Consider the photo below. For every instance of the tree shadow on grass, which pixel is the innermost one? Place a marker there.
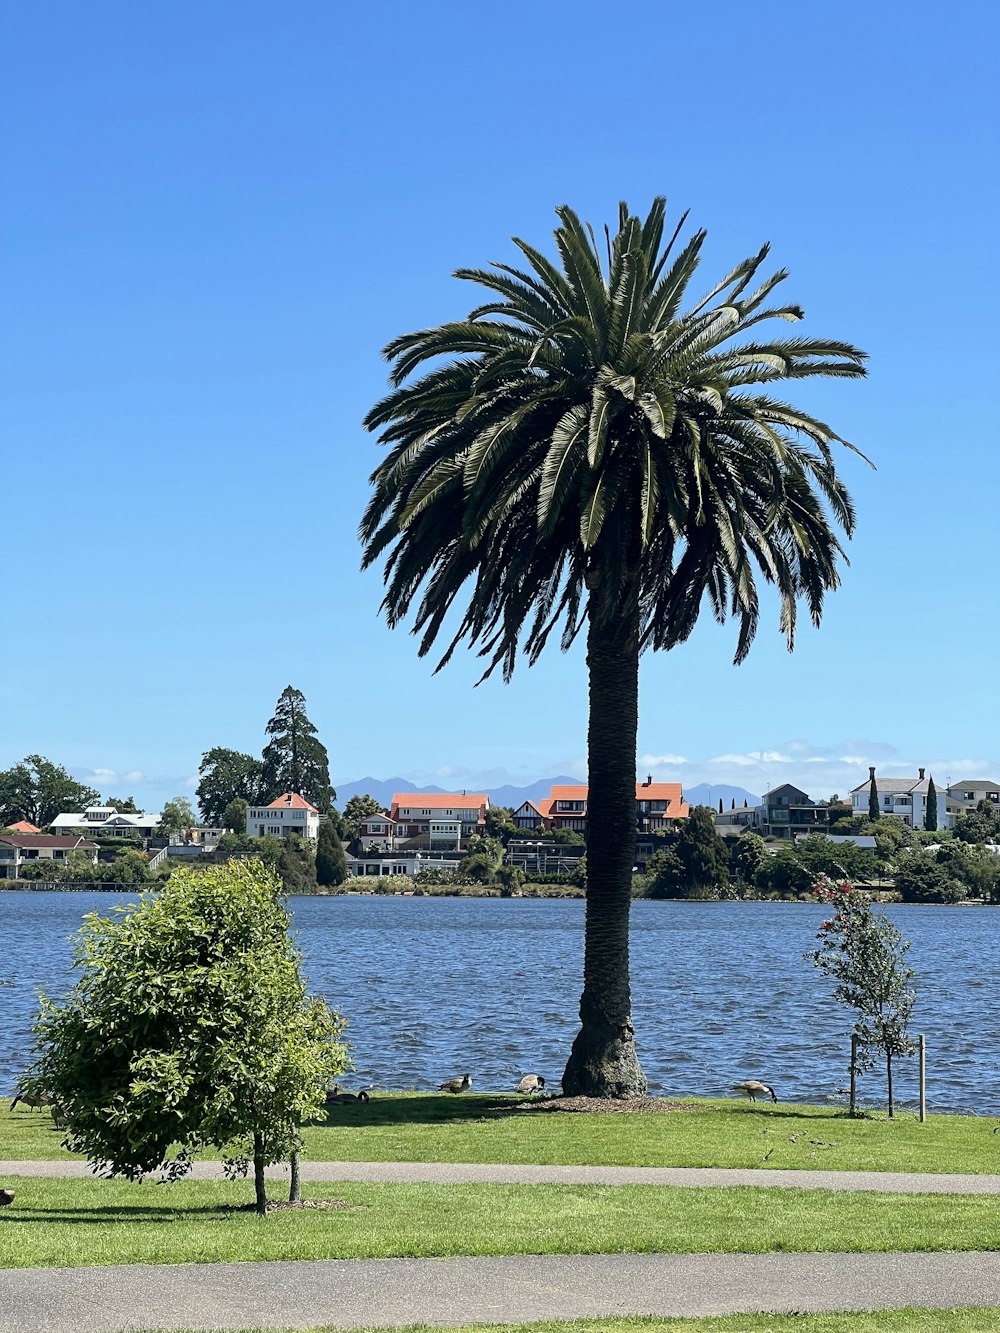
(420, 1109)
(99, 1216)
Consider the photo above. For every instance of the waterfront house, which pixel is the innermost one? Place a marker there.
(18, 848)
(658, 807)
(104, 821)
(439, 821)
(290, 814)
(787, 810)
(962, 798)
(905, 798)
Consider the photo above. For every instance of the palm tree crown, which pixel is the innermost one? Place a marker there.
(582, 443)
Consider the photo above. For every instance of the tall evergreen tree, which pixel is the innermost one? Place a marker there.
(295, 759)
(589, 448)
(930, 816)
(227, 776)
(331, 864)
(873, 811)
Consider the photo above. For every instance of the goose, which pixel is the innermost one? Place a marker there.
(456, 1084)
(338, 1098)
(753, 1088)
(34, 1100)
(6, 1197)
(531, 1083)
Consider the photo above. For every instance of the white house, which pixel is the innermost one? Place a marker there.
(289, 814)
(378, 832)
(906, 798)
(104, 821)
(963, 797)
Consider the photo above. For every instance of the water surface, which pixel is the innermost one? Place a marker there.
(433, 987)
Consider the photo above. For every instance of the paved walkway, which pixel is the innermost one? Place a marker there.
(388, 1292)
(454, 1173)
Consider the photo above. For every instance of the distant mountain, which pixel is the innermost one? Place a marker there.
(382, 790)
(704, 794)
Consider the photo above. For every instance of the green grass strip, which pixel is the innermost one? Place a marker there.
(84, 1222)
(424, 1128)
(882, 1321)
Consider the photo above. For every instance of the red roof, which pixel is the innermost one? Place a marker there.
(30, 840)
(291, 800)
(441, 800)
(22, 826)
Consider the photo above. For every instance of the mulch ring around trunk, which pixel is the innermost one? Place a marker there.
(609, 1105)
(284, 1205)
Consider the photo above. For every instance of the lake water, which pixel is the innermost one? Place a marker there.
(433, 987)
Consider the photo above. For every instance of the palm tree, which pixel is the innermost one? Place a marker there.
(585, 451)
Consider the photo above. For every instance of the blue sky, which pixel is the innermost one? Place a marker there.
(214, 217)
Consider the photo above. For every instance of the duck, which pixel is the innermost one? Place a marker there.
(456, 1084)
(6, 1197)
(531, 1083)
(753, 1088)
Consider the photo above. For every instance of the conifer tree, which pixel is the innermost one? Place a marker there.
(873, 811)
(930, 815)
(295, 759)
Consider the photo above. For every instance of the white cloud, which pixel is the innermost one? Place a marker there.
(661, 760)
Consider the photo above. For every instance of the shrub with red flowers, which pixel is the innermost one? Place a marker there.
(864, 954)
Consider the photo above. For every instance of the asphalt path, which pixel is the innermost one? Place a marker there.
(455, 1173)
(392, 1292)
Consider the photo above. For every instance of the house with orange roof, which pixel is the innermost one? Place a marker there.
(22, 826)
(442, 821)
(289, 814)
(658, 806)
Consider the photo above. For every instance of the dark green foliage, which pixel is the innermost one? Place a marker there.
(295, 759)
(979, 825)
(266, 849)
(783, 874)
(696, 865)
(873, 807)
(331, 864)
(590, 448)
(500, 823)
(189, 1027)
(297, 865)
(37, 790)
(749, 855)
(478, 868)
(864, 954)
(838, 860)
(930, 814)
(921, 878)
(234, 817)
(227, 776)
(357, 809)
(125, 805)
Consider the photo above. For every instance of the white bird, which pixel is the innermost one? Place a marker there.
(753, 1088)
(456, 1084)
(531, 1083)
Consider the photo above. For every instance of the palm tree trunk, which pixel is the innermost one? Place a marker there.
(603, 1061)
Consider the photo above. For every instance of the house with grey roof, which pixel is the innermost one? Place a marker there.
(963, 797)
(904, 798)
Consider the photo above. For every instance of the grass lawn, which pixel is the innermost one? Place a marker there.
(416, 1127)
(82, 1222)
(884, 1321)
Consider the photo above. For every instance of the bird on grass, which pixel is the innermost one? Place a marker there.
(34, 1100)
(531, 1083)
(456, 1084)
(6, 1197)
(753, 1088)
(338, 1098)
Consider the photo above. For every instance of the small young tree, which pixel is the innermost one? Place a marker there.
(189, 1027)
(865, 955)
(930, 815)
